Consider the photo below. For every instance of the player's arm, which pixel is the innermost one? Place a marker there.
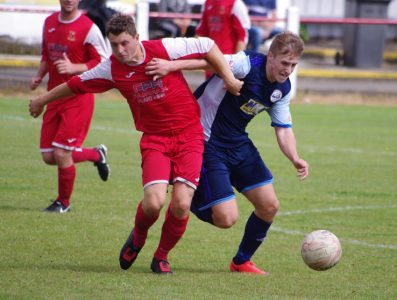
(221, 67)
(38, 78)
(188, 48)
(65, 66)
(287, 143)
(37, 104)
(158, 67)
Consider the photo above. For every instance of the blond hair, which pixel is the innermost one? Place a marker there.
(287, 43)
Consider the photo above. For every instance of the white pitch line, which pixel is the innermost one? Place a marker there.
(352, 242)
(331, 209)
(346, 150)
(309, 149)
(97, 127)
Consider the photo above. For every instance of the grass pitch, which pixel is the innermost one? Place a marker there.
(351, 191)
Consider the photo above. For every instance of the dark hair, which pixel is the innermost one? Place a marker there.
(121, 23)
(285, 43)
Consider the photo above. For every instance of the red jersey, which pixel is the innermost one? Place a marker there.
(80, 39)
(226, 22)
(164, 106)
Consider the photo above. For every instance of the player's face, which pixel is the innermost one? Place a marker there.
(126, 48)
(69, 6)
(280, 67)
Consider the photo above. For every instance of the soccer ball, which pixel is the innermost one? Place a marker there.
(321, 250)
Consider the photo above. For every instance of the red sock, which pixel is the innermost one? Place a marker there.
(66, 178)
(172, 231)
(142, 225)
(86, 154)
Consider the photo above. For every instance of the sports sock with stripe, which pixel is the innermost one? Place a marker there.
(254, 234)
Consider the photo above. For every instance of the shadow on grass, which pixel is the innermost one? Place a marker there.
(15, 208)
(81, 268)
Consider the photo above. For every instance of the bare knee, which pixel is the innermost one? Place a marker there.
(154, 199)
(181, 199)
(268, 211)
(225, 216)
(224, 222)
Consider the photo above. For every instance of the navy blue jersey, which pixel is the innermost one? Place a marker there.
(225, 116)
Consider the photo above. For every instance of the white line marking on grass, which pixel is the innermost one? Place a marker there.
(16, 118)
(331, 209)
(97, 127)
(349, 150)
(352, 242)
(121, 130)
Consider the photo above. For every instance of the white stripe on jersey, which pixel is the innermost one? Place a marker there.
(101, 71)
(94, 37)
(241, 12)
(239, 63)
(209, 103)
(181, 47)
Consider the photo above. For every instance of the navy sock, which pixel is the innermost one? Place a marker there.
(254, 234)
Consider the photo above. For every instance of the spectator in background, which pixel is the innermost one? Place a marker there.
(227, 23)
(179, 26)
(98, 12)
(72, 44)
(261, 31)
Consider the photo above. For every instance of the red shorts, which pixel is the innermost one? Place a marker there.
(66, 125)
(167, 159)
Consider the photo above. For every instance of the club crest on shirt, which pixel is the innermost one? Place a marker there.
(72, 36)
(252, 107)
(276, 95)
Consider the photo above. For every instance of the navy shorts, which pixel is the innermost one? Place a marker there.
(224, 168)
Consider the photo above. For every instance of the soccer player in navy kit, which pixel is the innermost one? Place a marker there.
(230, 157)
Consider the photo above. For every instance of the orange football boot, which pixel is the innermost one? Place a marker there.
(247, 267)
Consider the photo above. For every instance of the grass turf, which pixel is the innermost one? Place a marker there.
(351, 191)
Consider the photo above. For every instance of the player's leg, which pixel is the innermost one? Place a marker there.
(146, 215)
(254, 180)
(53, 155)
(156, 168)
(97, 155)
(186, 159)
(214, 201)
(266, 205)
(174, 226)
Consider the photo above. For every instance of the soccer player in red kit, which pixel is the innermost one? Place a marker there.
(227, 23)
(167, 113)
(72, 44)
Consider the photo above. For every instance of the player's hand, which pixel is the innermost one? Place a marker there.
(35, 82)
(302, 168)
(35, 107)
(234, 86)
(158, 68)
(64, 66)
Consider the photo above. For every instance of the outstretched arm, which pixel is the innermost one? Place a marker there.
(287, 143)
(37, 104)
(213, 56)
